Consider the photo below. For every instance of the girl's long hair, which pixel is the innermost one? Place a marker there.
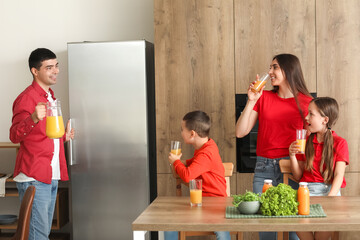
(327, 107)
(291, 68)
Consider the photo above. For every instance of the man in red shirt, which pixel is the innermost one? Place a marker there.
(40, 161)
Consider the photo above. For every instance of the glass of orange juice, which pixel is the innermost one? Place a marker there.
(260, 83)
(176, 147)
(301, 139)
(195, 186)
(54, 120)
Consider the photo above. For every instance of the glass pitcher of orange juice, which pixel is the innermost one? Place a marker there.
(54, 120)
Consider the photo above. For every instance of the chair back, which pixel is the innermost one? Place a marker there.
(229, 167)
(285, 169)
(22, 230)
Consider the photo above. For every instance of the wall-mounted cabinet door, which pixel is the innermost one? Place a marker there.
(266, 28)
(338, 59)
(194, 64)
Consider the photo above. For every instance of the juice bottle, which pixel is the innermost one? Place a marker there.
(303, 199)
(267, 185)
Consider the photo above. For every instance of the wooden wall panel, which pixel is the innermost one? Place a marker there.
(194, 62)
(244, 182)
(338, 58)
(265, 28)
(166, 185)
(352, 184)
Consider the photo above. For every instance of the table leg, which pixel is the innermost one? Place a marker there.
(280, 235)
(139, 235)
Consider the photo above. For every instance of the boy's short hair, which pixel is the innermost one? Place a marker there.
(38, 56)
(198, 121)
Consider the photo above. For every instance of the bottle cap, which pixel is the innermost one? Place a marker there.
(303, 183)
(267, 181)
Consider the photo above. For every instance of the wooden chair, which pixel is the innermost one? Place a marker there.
(286, 171)
(22, 230)
(229, 167)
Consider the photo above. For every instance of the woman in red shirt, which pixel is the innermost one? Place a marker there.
(279, 112)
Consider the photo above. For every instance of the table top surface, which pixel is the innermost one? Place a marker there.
(175, 214)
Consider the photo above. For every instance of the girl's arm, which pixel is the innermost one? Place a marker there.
(297, 167)
(338, 178)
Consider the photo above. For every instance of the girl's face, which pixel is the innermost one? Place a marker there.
(276, 74)
(315, 121)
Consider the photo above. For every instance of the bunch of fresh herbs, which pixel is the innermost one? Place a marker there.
(279, 201)
(247, 197)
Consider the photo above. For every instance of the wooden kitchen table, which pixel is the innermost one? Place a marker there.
(175, 214)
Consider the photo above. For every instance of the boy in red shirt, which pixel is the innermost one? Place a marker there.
(206, 163)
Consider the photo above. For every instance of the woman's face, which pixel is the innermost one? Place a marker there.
(276, 74)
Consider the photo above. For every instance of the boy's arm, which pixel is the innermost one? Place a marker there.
(200, 164)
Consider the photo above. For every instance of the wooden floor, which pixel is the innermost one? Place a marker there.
(53, 236)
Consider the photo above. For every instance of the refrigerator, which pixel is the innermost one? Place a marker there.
(112, 159)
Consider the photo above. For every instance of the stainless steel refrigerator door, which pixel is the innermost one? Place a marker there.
(109, 178)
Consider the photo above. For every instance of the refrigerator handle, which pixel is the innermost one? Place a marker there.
(71, 162)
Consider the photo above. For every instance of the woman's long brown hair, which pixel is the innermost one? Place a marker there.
(291, 68)
(327, 107)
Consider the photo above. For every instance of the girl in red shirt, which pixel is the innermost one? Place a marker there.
(326, 155)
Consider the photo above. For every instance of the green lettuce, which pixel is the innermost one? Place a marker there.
(247, 197)
(279, 201)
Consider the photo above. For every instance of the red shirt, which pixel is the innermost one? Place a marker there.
(206, 165)
(36, 149)
(341, 154)
(278, 120)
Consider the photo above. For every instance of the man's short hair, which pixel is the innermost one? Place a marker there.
(199, 122)
(38, 56)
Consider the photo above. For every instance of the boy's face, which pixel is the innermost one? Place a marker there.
(186, 134)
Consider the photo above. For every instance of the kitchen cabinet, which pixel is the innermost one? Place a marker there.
(61, 214)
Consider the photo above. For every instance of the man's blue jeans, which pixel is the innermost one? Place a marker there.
(43, 207)
(219, 235)
(267, 168)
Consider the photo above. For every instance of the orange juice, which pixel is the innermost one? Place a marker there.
(54, 126)
(258, 85)
(303, 199)
(196, 196)
(302, 143)
(176, 151)
(267, 185)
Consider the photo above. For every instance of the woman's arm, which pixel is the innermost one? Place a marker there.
(297, 167)
(248, 117)
(246, 120)
(338, 178)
